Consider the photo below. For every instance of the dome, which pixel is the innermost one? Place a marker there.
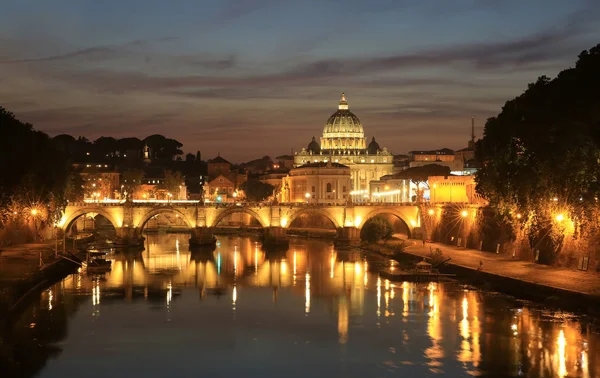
(313, 146)
(373, 147)
(343, 120)
(343, 130)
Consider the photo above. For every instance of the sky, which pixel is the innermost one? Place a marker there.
(248, 78)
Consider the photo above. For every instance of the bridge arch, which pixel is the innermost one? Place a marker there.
(70, 218)
(384, 211)
(238, 209)
(321, 212)
(161, 210)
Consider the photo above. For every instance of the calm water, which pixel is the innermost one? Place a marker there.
(306, 312)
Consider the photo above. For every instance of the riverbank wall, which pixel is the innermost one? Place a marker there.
(16, 293)
(522, 287)
(480, 227)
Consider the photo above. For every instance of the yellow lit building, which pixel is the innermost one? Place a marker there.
(344, 142)
(317, 183)
(455, 189)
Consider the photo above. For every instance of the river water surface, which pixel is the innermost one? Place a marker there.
(310, 311)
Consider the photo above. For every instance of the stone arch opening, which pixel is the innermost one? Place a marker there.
(164, 218)
(311, 220)
(86, 219)
(318, 214)
(238, 217)
(400, 226)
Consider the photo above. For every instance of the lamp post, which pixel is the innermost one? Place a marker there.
(34, 213)
(464, 215)
(307, 195)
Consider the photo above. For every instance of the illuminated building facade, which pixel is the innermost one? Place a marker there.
(455, 189)
(223, 182)
(343, 141)
(317, 183)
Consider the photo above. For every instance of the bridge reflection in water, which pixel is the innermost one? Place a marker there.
(315, 291)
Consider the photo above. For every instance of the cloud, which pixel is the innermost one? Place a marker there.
(91, 52)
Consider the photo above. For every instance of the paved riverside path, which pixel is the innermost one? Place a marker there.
(506, 266)
(20, 261)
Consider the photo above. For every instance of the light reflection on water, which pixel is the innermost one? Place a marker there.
(308, 311)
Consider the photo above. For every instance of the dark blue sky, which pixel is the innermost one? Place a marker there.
(255, 77)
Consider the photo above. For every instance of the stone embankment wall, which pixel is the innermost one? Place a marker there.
(480, 228)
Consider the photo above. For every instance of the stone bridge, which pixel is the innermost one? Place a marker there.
(129, 218)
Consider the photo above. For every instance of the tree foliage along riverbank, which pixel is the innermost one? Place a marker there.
(541, 159)
(377, 229)
(35, 177)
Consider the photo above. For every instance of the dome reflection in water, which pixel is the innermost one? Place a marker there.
(307, 311)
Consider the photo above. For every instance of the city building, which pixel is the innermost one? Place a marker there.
(100, 180)
(155, 185)
(444, 156)
(223, 182)
(390, 188)
(319, 182)
(456, 189)
(274, 178)
(343, 142)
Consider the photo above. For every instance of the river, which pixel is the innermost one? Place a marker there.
(310, 311)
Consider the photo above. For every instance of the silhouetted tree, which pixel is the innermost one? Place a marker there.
(540, 155)
(376, 229)
(163, 148)
(256, 190)
(33, 167)
(132, 179)
(173, 180)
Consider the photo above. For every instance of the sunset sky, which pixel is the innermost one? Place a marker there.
(250, 78)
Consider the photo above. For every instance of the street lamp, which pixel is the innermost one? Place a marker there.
(431, 212)
(34, 213)
(307, 195)
(559, 218)
(464, 213)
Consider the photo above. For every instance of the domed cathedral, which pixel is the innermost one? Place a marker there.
(344, 142)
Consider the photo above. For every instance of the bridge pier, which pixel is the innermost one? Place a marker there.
(202, 237)
(129, 237)
(347, 236)
(275, 237)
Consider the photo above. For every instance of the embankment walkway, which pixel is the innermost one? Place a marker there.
(587, 283)
(21, 261)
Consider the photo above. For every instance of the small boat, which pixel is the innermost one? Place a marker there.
(422, 271)
(97, 262)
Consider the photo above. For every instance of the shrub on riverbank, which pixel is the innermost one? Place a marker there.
(376, 230)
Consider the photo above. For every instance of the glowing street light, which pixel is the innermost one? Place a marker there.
(34, 212)
(430, 212)
(518, 215)
(559, 218)
(464, 213)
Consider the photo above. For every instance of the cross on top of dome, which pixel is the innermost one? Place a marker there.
(343, 103)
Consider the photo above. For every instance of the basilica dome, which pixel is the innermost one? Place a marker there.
(373, 147)
(343, 130)
(313, 146)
